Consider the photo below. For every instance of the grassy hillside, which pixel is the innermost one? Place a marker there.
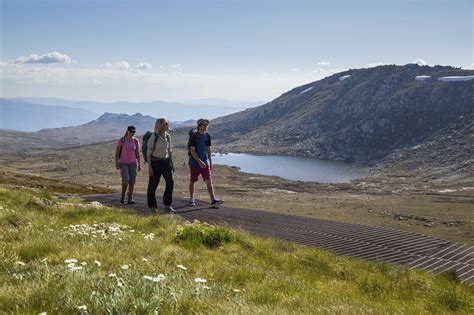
(64, 256)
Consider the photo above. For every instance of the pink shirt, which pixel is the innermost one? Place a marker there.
(128, 155)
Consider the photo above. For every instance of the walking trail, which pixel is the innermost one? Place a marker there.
(370, 243)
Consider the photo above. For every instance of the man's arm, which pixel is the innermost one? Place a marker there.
(209, 155)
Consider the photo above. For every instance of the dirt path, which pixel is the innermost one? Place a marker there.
(375, 244)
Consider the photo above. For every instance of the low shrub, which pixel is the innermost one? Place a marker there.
(197, 233)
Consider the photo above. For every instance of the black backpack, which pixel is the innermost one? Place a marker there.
(146, 137)
(191, 140)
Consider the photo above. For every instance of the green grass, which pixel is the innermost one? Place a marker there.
(244, 274)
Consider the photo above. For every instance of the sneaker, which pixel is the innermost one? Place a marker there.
(170, 209)
(192, 203)
(152, 210)
(130, 201)
(122, 198)
(216, 202)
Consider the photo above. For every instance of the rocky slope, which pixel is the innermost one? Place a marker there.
(358, 115)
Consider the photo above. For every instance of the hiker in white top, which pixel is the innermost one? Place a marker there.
(160, 163)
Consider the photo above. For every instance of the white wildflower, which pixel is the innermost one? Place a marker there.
(82, 307)
(43, 313)
(206, 287)
(124, 267)
(236, 290)
(144, 259)
(132, 231)
(96, 204)
(71, 265)
(84, 263)
(200, 280)
(20, 263)
(44, 260)
(97, 263)
(70, 260)
(112, 275)
(149, 237)
(74, 268)
(159, 278)
(182, 267)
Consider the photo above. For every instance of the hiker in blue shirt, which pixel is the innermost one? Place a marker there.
(199, 145)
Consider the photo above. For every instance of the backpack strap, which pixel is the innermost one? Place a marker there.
(154, 143)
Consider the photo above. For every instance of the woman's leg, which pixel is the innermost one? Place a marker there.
(132, 170)
(168, 176)
(125, 180)
(152, 185)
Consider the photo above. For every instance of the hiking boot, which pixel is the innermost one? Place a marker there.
(122, 198)
(216, 202)
(130, 200)
(170, 209)
(192, 203)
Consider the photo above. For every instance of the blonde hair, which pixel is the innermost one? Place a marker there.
(160, 124)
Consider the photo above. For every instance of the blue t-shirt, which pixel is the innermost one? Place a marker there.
(201, 142)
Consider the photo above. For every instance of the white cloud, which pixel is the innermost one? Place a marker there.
(471, 67)
(119, 65)
(323, 64)
(143, 66)
(99, 84)
(295, 70)
(51, 57)
(419, 62)
(375, 64)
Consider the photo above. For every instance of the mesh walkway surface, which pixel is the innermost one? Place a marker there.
(370, 243)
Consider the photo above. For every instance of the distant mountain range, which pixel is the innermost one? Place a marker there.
(105, 128)
(61, 113)
(23, 116)
(359, 115)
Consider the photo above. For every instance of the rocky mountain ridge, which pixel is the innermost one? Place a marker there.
(360, 115)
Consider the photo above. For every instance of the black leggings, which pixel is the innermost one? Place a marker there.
(160, 167)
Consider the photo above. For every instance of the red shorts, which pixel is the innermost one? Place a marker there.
(204, 172)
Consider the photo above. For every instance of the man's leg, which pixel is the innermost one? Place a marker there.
(210, 189)
(191, 190)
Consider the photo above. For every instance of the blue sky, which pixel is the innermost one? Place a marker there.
(241, 50)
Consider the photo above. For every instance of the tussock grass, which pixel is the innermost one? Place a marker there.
(134, 264)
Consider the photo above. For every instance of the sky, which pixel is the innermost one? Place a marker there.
(103, 50)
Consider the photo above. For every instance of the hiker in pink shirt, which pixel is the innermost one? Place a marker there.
(127, 160)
